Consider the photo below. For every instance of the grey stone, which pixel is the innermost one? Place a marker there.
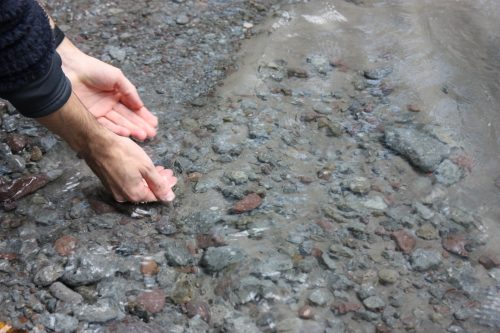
(320, 63)
(240, 324)
(117, 53)
(322, 108)
(165, 227)
(182, 19)
(375, 203)
(177, 254)
(420, 148)
(48, 274)
(196, 325)
(59, 322)
(448, 173)
(289, 325)
(388, 276)
(238, 177)
(328, 262)
(320, 297)
(359, 185)
(423, 259)
(374, 303)
(65, 294)
(428, 232)
(273, 265)
(423, 211)
(86, 267)
(102, 311)
(216, 259)
(366, 291)
(337, 251)
(378, 73)
(252, 289)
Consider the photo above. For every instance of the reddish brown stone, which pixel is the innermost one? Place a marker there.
(345, 307)
(65, 245)
(413, 108)
(205, 241)
(247, 204)
(153, 301)
(383, 328)
(489, 261)
(8, 256)
(193, 308)
(455, 243)
(100, 207)
(194, 176)
(149, 268)
(21, 187)
(16, 142)
(315, 252)
(404, 240)
(326, 225)
(306, 312)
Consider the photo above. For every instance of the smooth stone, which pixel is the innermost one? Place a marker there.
(424, 260)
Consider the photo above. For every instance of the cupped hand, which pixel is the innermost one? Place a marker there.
(107, 94)
(127, 171)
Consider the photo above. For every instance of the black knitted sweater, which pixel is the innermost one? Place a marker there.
(26, 44)
(31, 77)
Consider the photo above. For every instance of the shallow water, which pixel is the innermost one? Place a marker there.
(446, 60)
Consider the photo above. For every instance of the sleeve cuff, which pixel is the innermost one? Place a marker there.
(43, 96)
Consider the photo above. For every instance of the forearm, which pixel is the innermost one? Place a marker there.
(75, 125)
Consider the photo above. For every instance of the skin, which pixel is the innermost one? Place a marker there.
(102, 112)
(122, 166)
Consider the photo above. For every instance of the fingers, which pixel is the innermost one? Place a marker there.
(130, 97)
(119, 120)
(160, 182)
(145, 114)
(136, 119)
(119, 130)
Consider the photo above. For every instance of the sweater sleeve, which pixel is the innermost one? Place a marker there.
(31, 77)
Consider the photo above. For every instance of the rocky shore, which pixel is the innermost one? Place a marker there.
(300, 207)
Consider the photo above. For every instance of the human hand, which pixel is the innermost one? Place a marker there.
(121, 165)
(107, 94)
(127, 171)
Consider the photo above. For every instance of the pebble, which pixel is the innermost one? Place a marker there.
(427, 232)
(165, 226)
(359, 185)
(65, 245)
(420, 148)
(59, 322)
(102, 311)
(297, 72)
(216, 259)
(455, 243)
(375, 203)
(22, 186)
(196, 308)
(377, 73)
(36, 154)
(117, 53)
(238, 177)
(448, 173)
(177, 253)
(320, 297)
(346, 307)
(48, 274)
(65, 294)
(248, 203)
(404, 240)
(388, 276)
(182, 19)
(149, 268)
(374, 303)
(489, 261)
(306, 312)
(424, 260)
(16, 142)
(153, 301)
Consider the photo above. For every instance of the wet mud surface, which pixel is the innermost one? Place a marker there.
(332, 177)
